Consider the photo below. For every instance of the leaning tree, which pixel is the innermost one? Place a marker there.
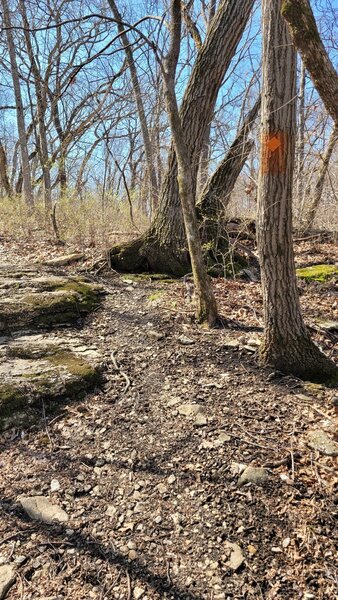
(287, 345)
(164, 247)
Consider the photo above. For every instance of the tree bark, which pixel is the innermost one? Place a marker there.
(26, 172)
(319, 186)
(305, 35)
(206, 303)
(287, 345)
(216, 194)
(164, 247)
(4, 179)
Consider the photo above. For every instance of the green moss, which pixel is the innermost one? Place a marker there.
(317, 272)
(11, 399)
(75, 365)
(156, 296)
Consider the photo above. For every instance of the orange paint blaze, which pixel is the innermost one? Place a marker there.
(274, 148)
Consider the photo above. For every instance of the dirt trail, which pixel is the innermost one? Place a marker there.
(148, 469)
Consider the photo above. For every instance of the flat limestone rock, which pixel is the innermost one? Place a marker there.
(67, 259)
(33, 300)
(40, 508)
(45, 367)
(319, 440)
(7, 578)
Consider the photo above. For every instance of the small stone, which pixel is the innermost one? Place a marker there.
(237, 468)
(286, 542)
(319, 440)
(132, 555)
(40, 508)
(276, 549)
(171, 479)
(200, 420)
(190, 410)
(257, 475)
(185, 341)
(55, 485)
(7, 578)
(162, 488)
(222, 438)
(236, 557)
(139, 507)
(138, 592)
(252, 550)
(158, 519)
(20, 559)
(111, 510)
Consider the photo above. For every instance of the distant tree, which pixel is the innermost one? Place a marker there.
(287, 345)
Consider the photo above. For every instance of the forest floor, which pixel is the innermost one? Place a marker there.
(148, 466)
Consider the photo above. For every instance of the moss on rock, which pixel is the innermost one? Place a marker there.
(319, 273)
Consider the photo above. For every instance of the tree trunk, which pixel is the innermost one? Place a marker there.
(206, 303)
(26, 172)
(164, 247)
(303, 27)
(287, 345)
(319, 186)
(216, 194)
(41, 105)
(140, 107)
(4, 179)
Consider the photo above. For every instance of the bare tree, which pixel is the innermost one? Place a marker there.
(26, 172)
(164, 246)
(305, 35)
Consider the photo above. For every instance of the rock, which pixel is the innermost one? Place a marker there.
(319, 440)
(138, 592)
(237, 468)
(236, 557)
(257, 475)
(55, 485)
(171, 479)
(39, 301)
(231, 343)
(7, 578)
(222, 439)
(40, 508)
(61, 261)
(43, 367)
(200, 420)
(185, 341)
(190, 410)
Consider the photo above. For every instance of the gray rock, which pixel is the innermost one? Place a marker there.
(185, 341)
(200, 420)
(319, 440)
(190, 410)
(257, 475)
(40, 508)
(7, 578)
(236, 557)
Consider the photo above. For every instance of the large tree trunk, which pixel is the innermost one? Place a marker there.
(164, 247)
(299, 15)
(216, 194)
(287, 345)
(26, 172)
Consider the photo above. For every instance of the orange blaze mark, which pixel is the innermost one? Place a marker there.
(274, 153)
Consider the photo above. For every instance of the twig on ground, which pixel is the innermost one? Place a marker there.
(124, 375)
(128, 585)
